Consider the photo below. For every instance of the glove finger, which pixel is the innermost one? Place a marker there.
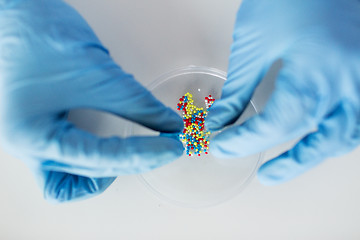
(59, 187)
(287, 115)
(64, 187)
(112, 90)
(335, 136)
(79, 152)
(247, 67)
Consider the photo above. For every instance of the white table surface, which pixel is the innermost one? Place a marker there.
(148, 38)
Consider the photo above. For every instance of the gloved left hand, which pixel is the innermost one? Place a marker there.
(52, 62)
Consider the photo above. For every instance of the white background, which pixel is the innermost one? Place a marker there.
(148, 38)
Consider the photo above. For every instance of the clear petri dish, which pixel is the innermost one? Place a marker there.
(196, 181)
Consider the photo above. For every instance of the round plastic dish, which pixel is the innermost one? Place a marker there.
(196, 181)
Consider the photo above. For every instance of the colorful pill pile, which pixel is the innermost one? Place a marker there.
(194, 136)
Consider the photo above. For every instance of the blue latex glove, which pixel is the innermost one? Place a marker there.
(52, 62)
(318, 87)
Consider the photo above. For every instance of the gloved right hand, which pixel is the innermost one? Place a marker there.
(52, 62)
(318, 87)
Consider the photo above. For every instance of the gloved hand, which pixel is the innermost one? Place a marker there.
(318, 87)
(52, 62)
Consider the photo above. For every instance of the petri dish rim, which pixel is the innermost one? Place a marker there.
(187, 70)
(192, 69)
